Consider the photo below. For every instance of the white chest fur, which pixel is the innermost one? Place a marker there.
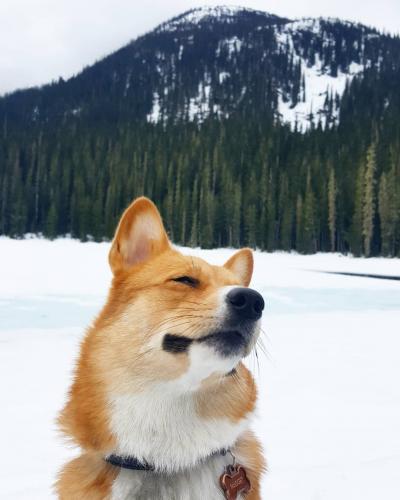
(167, 431)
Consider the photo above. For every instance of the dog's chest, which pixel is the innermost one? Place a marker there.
(169, 433)
(199, 484)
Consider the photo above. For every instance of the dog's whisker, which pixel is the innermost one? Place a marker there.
(182, 321)
(260, 344)
(264, 350)
(172, 325)
(258, 361)
(179, 318)
(197, 303)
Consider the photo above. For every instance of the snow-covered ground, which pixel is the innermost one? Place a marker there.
(329, 386)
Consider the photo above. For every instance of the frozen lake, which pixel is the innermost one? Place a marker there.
(329, 392)
(50, 312)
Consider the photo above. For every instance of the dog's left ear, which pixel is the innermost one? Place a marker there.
(241, 264)
(140, 235)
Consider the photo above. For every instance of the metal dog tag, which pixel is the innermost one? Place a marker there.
(234, 481)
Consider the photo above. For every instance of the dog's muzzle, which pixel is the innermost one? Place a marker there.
(244, 310)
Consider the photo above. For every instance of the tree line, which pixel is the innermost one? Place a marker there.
(225, 183)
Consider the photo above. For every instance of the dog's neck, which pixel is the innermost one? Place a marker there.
(175, 431)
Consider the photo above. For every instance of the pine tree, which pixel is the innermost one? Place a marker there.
(388, 211)
(50, 230)
(309, 221)
(236, 220)
(250, 224)
(369, 202)
(194, 230)
(332, 193)
(355, 235)
(300, 246)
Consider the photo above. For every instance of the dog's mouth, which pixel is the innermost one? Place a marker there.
(226, 342)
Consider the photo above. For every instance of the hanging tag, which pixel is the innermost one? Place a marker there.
(234, 481)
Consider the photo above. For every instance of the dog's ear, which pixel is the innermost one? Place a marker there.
(140, 235)
(241, 265)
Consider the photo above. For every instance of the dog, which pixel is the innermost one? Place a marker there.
(161, 402)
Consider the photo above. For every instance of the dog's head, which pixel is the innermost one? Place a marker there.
(170, 316)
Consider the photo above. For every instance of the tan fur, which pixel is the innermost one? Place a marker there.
(232, 398)
(249, 449)
(141, 301)
(87, 477)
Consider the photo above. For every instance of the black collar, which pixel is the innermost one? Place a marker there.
(128, 463)
(133, 463)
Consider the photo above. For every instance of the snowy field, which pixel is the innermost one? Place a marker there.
(329, 405)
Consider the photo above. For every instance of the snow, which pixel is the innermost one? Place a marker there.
(196, 16)
(355, 68)
(127, 83)
(223, 75)
(231, 45)
(199, 106)
(305, 24)
(319, 84)
(155, 114)
(329, 397)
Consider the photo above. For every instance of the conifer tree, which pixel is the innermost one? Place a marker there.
(50, 230)
(309, 222)
(355, 234)
(237, 215)
(300, 246)
(388, 211)
(332, 193)
(369, 202)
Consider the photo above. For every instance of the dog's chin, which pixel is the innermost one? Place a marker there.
(230, 343)
(213, 354)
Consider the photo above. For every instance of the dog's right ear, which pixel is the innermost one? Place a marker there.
(140, 235)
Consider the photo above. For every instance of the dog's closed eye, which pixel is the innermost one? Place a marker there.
(187, 280)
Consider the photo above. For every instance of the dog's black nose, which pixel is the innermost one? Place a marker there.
(247, 303)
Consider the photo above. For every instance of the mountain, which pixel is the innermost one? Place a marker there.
(215, 61)
(288, 105)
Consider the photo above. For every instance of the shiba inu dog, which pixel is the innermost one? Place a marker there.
(161, 401)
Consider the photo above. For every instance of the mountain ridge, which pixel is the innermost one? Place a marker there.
(303, 96)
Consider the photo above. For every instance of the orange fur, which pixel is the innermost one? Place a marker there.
(115, 357)
(232, 398)
(87, 477)
(249, 449)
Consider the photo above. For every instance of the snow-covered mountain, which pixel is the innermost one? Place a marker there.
(218, 62)
(320, 57)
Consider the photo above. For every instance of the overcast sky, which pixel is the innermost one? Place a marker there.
(42, 40)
